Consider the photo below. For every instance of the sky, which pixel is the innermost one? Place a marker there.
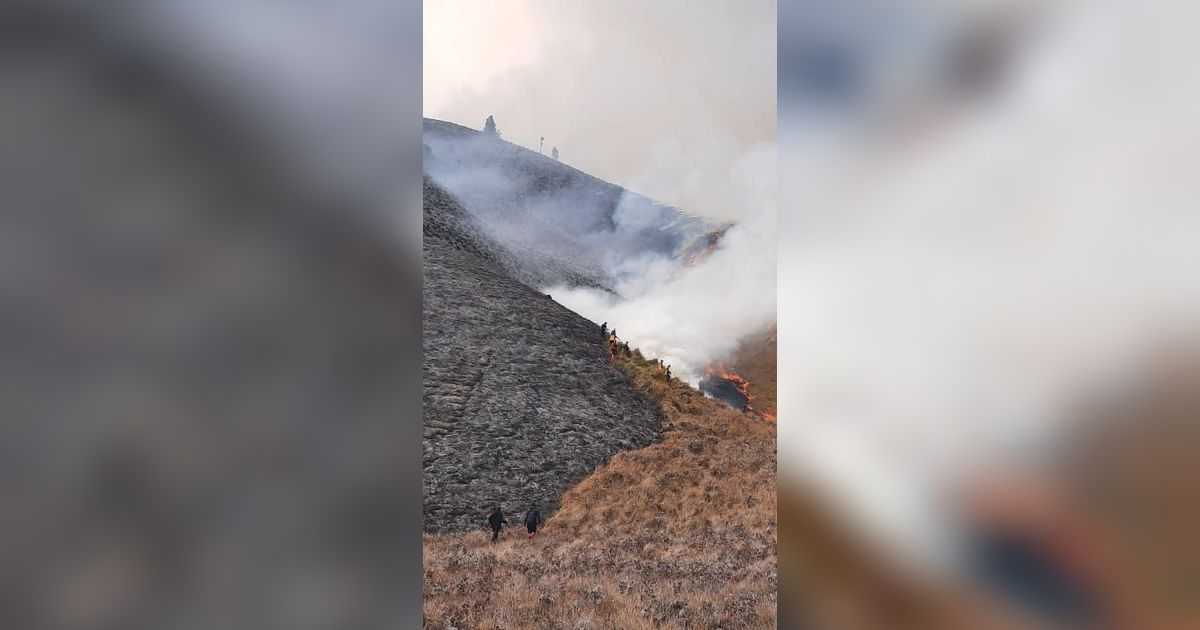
(663, 97)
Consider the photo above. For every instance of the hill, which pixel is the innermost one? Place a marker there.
(660, 501)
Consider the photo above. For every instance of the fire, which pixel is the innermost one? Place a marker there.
(713, 241)
(740, 385)
(739, 382)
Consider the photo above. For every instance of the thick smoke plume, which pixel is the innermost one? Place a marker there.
(672, 100)
(693, 315)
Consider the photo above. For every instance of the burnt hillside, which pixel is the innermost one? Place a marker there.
(563, 226)
(521, 400)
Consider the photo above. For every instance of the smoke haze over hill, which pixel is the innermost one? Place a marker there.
(675, 90)
(677, 105)
(681, 288)
(691, 316)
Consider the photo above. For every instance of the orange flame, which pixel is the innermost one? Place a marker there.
(739, 382)
(741, 385)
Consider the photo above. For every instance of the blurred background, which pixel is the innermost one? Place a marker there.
(209, 315)
(987, 308)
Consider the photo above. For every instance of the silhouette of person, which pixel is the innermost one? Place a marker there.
(533, 518)
(496, 521)
(604, 329)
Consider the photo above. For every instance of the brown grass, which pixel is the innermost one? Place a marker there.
(756, 361)
(681, 534)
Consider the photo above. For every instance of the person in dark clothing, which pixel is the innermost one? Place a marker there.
(496, 521)
(668, 373)
(533, 518)
(604, 330)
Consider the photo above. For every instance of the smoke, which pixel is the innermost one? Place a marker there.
(618, 257)
(674, 101)
(691, 316)
(616, 86)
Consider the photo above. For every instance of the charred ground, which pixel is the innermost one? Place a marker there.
(521, 400)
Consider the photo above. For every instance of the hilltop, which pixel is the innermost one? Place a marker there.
(562, 226)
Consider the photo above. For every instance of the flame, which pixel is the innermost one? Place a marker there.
(713, 241)
(741, 385)
(739, 382)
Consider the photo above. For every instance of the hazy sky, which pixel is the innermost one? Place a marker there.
(665, 95)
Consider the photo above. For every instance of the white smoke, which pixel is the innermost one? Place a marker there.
(672, 99)
(618, 86)
(693, 316)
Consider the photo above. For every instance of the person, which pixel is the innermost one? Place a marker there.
(496, 521)
(668, 374)
(604, 329)
(614, 332)
(533, 518)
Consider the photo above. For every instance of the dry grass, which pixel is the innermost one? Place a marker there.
(756, 361)
(681, 534)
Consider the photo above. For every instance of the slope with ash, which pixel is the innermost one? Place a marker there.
(521, 400)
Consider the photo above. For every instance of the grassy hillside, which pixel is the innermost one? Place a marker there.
(678, 534)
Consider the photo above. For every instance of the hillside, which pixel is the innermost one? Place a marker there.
(561, 225)
(520, 399)
(678, 534)
(660, 501)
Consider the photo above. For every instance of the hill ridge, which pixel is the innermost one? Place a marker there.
(562, 225)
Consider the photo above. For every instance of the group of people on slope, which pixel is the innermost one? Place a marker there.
(533, 519)
(618, 347)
